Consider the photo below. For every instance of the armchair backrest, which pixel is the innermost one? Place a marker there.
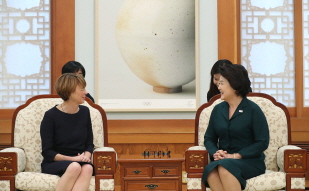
(26, 127)
(277, 117)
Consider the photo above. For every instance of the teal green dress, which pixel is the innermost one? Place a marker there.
(245, 133)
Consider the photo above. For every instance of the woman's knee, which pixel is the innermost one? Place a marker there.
(87, 168)
(213, 174)
(223, 171)
(74, 168)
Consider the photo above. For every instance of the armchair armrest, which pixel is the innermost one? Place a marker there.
(291, 158)
(104, 160)
(12, 161)
(196, 158)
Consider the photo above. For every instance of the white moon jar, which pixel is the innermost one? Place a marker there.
(156, 38)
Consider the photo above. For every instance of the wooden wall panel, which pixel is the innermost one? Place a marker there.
(5, 133)
(300, 130)
(151, 131)
(62, 37)
(229, 30)
(298, 40)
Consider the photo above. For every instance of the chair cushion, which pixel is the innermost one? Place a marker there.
(34, 181)
(269, 181)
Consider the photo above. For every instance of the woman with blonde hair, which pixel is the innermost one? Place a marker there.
(67, 139)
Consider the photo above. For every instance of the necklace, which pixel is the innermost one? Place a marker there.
(62, 108)
(67, 112)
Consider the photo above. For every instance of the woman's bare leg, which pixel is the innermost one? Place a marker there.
(83, 180)
(214, 180)
(68, 179)
(229, 181)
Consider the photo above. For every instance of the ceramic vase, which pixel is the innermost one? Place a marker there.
(156, 39)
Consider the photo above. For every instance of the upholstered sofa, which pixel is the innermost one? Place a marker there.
(285, 163)
(20, 165)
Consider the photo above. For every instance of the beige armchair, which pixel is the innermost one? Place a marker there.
(20, 165)
(285, 163)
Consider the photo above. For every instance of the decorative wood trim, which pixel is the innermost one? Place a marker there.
(196, 160)
(213, 99)
(8, 163)
(99, 108)
(62, 36)
(295, 161)
(104, 162)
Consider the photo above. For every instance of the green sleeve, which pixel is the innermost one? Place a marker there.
(261, 135)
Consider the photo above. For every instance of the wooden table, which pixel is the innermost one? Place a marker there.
(142, 173)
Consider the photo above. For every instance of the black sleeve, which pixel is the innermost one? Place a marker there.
(89, 144)
(47, 137)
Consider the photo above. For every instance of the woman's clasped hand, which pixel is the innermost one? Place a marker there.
(221, 154)
(82, 158)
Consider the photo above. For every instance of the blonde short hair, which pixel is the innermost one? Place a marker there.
(67, 83)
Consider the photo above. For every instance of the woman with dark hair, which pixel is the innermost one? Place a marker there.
(237, 134)
(77, 68)
(214, 78)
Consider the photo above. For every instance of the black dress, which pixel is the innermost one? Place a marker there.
(246, 133)
(66, 134)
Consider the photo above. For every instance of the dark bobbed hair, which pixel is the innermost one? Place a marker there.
(237, 76)
(67, 83)
(213, 89)
(72, 67)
